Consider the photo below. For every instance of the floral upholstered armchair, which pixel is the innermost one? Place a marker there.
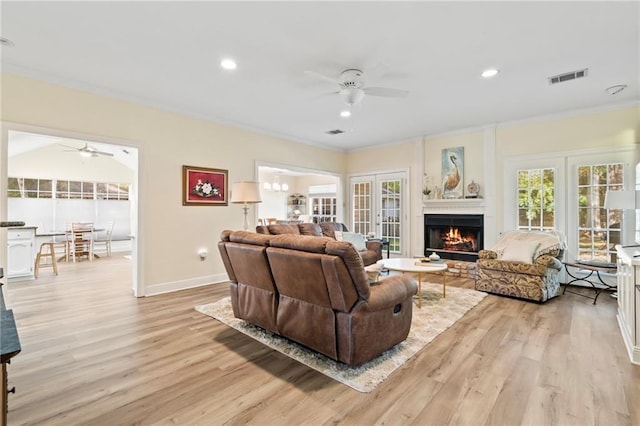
(522, 264)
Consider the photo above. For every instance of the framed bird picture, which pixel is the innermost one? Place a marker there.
(453, 172)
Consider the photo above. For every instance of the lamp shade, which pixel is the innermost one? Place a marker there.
(623, 200)
(245, 192)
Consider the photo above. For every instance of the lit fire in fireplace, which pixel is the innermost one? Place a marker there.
(453, 240)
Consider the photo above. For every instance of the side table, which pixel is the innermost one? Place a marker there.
(596, 281)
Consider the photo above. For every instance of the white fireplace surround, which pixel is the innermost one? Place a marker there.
(463, 206)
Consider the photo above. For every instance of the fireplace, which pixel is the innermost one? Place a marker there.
(454, 236)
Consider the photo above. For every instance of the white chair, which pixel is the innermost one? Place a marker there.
(104, 241)
(80, 240)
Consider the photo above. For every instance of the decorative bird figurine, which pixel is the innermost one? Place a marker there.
(452, 179)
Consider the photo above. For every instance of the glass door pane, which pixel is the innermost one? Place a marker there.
(390, 212)
(362, 205)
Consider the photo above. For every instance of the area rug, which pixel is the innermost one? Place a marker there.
(437, 314)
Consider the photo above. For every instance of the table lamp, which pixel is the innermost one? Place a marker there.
(245, 193)
(623, 200)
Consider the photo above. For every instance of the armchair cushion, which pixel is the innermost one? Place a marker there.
(520, 251)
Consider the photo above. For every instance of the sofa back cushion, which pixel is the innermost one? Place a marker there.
(310, 229)
(254, 293)
(328, 228)
(335, 276)
(282, 228)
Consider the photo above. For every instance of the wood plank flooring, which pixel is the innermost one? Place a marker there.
(93, 354)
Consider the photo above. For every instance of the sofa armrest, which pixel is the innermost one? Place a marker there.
(391, 291)
(549, 262)
(487, 254)
(376, 247)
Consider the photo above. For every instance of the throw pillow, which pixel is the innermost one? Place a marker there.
(354, 238)
(337, 235)
(520, 251)
(373, 272)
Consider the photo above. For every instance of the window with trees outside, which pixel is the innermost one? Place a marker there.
(66, 189)
(29, 188)
(598, 227)
(536, 199)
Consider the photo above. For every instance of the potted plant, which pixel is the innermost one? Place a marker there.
(426, 191)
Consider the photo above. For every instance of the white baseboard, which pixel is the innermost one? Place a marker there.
(153, 290)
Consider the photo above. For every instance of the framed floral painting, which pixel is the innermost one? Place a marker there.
(202, 186)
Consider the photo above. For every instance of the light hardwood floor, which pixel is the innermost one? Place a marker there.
(94, 354)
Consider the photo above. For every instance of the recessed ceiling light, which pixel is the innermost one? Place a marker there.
(5, 42)
(228, 64)
(345, 113)
(491, 72)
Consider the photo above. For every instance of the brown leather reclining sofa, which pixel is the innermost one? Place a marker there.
(371, 255)
(314, 290)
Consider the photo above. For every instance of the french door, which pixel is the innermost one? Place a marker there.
(378, 207)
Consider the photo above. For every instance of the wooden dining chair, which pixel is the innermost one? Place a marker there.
(81, 240)
(101, 241)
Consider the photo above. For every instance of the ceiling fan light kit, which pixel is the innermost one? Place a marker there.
(352, 89)
(88, 151)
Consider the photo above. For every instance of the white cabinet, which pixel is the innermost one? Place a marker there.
(20, 252)
(629, 299)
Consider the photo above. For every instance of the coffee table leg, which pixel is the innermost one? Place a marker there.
(444, 284)
(419, 290)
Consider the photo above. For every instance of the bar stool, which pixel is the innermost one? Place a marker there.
(42, 255)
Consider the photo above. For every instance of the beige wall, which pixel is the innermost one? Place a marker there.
(170, 234)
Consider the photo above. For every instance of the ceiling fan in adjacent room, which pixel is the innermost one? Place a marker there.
(87, 151)
(352, 88)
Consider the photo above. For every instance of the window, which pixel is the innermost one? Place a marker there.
(323, 209)
(598, 228)
(536, 199)
(112, 191)
(66, 189)
(29, 188)
(323, 203)
(76, 190)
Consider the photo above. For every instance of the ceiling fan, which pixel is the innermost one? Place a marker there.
(353, 89)
(87, 151)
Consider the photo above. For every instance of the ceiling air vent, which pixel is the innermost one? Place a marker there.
(334, 132)
(560, 78)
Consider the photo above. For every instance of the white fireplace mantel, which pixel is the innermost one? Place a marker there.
(454, 206)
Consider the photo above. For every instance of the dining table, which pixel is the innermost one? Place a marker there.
(78, 238)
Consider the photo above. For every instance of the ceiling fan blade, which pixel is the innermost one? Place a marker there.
(68, 146)
(106, 154)
(321, 76)
(385, 92)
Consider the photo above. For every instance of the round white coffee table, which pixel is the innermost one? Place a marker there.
(409, 265)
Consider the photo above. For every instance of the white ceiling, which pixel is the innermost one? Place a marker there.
(167, 54)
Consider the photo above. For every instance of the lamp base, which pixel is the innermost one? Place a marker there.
(246, 219)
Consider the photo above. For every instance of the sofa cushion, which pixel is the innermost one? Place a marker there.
(310, 229)
(280, 228)
(520, 251)
(328, 228)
